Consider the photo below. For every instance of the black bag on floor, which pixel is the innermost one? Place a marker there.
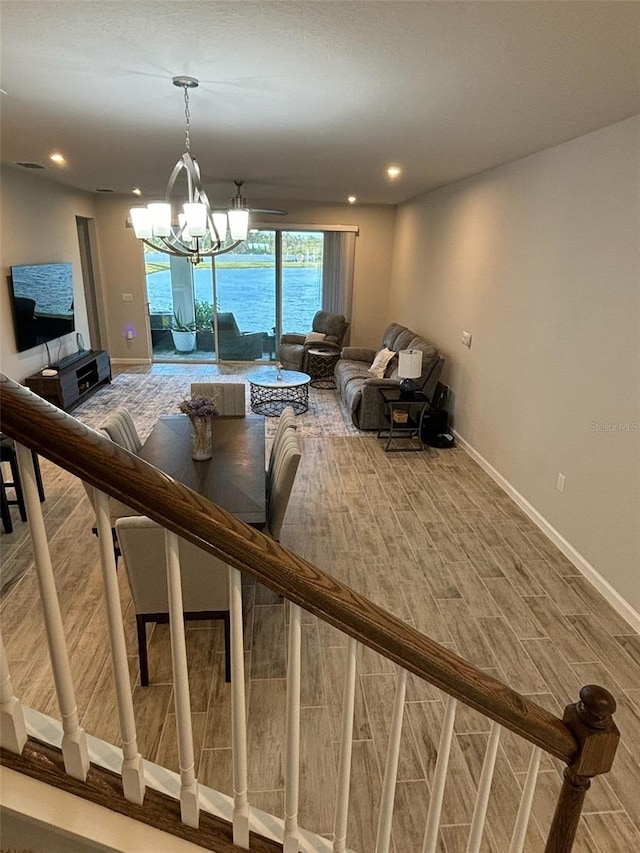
(435, 427)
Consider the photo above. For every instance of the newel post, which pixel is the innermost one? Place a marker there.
(592, 723)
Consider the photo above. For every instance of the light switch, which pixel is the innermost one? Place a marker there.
(127, 297)
(466, 339)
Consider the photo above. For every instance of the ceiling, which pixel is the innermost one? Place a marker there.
(308, 100)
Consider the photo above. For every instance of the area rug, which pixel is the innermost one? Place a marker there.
(147, 396)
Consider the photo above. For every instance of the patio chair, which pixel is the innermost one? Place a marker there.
(234, 345)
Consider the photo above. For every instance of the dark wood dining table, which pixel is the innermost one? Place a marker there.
(234, 477)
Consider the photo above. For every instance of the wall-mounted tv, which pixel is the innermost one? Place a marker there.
(42, 303)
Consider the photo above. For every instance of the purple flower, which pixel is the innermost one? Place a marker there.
(198, 407)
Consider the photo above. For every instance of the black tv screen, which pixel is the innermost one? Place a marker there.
(42, 303)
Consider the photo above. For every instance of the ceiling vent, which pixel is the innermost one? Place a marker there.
(30, 165)
(103, 190)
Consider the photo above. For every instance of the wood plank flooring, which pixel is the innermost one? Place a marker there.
(430, 537)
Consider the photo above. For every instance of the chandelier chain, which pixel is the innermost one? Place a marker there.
(187, 117)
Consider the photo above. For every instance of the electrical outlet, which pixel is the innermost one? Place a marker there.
(560, 482)
(466, 339)
(127, 297)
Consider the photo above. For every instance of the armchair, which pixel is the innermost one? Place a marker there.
(327, 329)
(235, 345)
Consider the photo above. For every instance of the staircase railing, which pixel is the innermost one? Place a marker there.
(585, 739)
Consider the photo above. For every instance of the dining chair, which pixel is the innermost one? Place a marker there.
(205, 592)
(282, 479)
(8, 454)
(228, 397)
(286, 421)
(117, 509)
(120, 428)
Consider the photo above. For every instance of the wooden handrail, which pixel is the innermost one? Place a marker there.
(103, 464)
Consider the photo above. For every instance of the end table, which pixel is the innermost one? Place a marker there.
(404, 414)
(321, 364)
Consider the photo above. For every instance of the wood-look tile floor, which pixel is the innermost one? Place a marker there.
(430, 537)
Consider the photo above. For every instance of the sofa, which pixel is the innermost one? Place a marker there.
(359, 389)
(327, 332)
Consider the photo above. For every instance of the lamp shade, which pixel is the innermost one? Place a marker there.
(160, 213)
(238, 224)
(221, 225)
(196, 216)
(141, 221)
(409, 363)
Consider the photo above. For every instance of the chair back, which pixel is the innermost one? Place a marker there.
(228, 397)
(204, 577)
(286, 421)
(333, 326)
(120, 428)
(282, 479)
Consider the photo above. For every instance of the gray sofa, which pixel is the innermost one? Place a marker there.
(359, 390)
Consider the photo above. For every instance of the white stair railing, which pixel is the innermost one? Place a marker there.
(13, 735)
(133, 783)
(74, 742)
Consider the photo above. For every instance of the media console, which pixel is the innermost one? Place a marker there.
(74, 380)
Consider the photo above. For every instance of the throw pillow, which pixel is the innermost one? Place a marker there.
(380, 362)
(314, 337)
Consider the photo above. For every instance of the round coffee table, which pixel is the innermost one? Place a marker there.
(270, 395)
(321, 364)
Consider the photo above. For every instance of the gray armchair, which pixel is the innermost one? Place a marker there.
(293, 348)
(235, 345)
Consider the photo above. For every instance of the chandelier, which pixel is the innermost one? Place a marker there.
(199, 232)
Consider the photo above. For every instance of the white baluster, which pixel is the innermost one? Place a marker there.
(484, 789)
(189, 799)
(439, 777)
(346, 746)
(520, 828)
(292, 778)
(391, 766)
(74, 741)
(13, 732)
(238, 714)
(133, 784)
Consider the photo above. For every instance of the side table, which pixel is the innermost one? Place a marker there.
(321, 364)
(404, 414)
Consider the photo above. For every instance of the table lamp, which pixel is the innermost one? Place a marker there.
(409, 368)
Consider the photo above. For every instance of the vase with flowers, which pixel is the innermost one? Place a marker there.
(201, 412)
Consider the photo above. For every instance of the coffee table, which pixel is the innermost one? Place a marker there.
(270, 395)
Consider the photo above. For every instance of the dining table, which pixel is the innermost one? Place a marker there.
(234, 477)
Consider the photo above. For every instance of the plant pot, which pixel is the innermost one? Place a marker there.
(183, 341)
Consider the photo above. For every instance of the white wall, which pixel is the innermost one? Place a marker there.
(540, 261)
(38, 225)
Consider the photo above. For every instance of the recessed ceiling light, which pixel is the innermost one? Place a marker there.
(57, 158)
(352, 199)
(136, 191)
(394, 171)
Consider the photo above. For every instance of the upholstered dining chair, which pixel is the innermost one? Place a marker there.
(228, 397)
(205, 592)
(286, 421)
(117, 509)
(281, 482)
(120, 428)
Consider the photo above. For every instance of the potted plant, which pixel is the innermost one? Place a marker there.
(183, 334)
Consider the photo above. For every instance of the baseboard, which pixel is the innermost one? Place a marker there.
(130, 361)
(619, 604)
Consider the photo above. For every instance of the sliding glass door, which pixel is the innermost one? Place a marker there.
(235, 306)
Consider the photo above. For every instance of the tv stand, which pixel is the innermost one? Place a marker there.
(77, 378)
